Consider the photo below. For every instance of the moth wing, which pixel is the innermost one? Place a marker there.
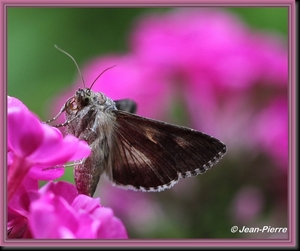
(126, 105)
(150, 155)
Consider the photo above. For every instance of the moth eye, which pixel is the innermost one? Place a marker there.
(73, 106)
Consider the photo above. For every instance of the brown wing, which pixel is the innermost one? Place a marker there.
(150, 155)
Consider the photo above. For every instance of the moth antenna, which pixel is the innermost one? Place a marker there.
(73, 61)
(100, 75)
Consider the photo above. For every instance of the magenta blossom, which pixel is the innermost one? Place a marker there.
(226, 73)
(35, 150)
(231, 82)
(223, 72)
(272, 130)
(57, 211)
(34, 146)
(18, 209)
(213, 44)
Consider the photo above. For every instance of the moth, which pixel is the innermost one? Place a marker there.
(134, 152)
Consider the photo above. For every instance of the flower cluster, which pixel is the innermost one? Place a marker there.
(57, 211)
(37, 151)
(228, 77)
(231, 80)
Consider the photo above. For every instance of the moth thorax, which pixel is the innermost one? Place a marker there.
(106, 103)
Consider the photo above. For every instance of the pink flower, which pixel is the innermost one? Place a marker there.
(58, 211)
(18, 209)
(209, 43)
(148, 209)
(208, 60)
(33, 146)
(231, 79)
(271, 131)
(226, 73)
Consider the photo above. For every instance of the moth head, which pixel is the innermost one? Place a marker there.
(83, 97)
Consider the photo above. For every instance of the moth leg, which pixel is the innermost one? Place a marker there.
(65, 123)
(64, 108)
(60, 112)
(93, 132)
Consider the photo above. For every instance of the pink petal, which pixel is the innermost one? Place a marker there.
(61, 188)
(49, 214)
(24, 131)
(25, 194)
(85, 202)
(14, 102)
(111, 227)
(38, 173)
(16, 226)
(56, 150)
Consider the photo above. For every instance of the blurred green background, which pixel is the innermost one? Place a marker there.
(37, 72)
